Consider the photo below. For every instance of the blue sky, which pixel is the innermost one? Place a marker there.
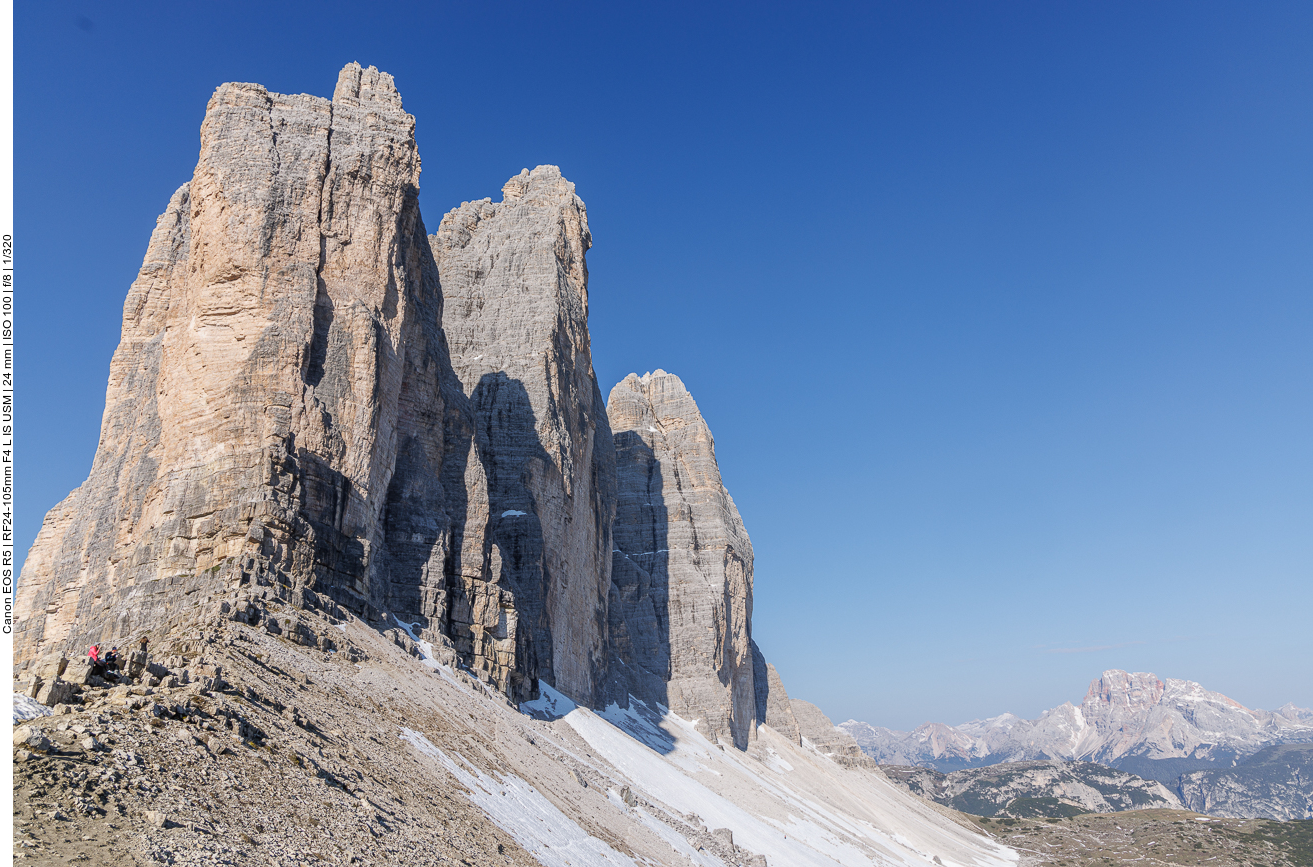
(1000, 312)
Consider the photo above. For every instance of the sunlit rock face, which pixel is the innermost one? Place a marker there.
(681, 603)
(273, 421)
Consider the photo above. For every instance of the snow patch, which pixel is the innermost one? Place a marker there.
(426, 653)
(425, 647)
(776, 762)
(513, 513)
(665, 758)
(549, 704)
(26, 707)
(550, 836)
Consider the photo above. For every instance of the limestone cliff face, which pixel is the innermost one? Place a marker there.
(274, 411)
(681, 590)
(536, 468)
(315, 401)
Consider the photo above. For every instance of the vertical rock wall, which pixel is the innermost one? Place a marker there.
(274, 405)
(681, 604)
(531, 561)
(291, 412)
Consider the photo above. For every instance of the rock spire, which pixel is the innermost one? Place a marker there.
(274, 406)
(535, 469)
(316, 403)
(681, 592)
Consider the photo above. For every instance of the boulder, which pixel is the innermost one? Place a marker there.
(55, 692)
(32, 738)
(78, 672)
(50, 666)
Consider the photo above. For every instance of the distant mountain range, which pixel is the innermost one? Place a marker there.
(1136, 722)
(1036, 789)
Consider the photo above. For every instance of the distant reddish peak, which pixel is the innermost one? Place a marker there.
(1126, 689)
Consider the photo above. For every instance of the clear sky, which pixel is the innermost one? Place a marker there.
(1001, 313)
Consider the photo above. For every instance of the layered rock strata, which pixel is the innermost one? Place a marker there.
(274, 410)
(534, 473)
(314, 401)
(681, 588)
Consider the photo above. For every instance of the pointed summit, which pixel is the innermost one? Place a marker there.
(368, 86)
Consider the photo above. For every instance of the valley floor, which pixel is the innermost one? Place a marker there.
(1154, 837)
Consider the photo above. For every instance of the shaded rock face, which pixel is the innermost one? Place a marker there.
(681, 577)
(532, 457)
(274, 410)
(773, 706)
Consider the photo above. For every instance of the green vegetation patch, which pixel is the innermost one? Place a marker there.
(1294, 838)
(975, 804)
(1043, 808)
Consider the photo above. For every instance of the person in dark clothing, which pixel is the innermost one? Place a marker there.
(112, 663)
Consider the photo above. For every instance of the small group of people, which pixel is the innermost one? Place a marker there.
(107, 664)
(104, 664)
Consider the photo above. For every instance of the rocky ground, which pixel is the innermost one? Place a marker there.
(257, 773)
(1148, 837)
(307, 741)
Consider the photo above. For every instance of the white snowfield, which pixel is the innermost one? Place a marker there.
(26, 708)
(658, 792)
(519, 809)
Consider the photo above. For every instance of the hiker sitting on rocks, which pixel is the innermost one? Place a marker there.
(97, 664)
(112, 663)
